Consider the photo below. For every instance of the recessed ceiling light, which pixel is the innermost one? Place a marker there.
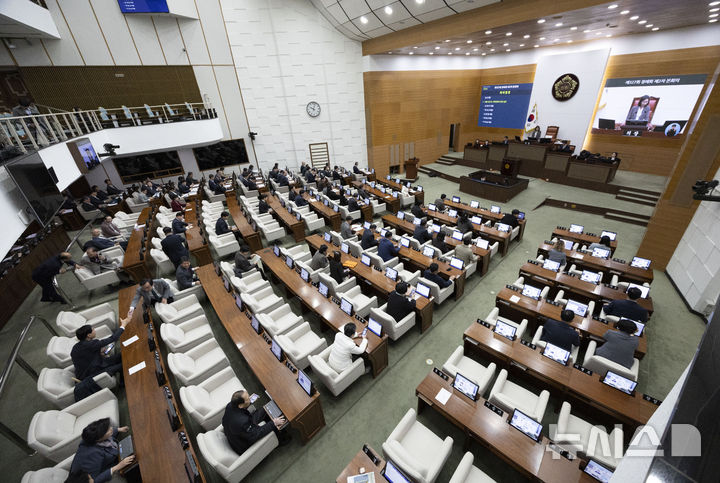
(432, 53)
(573, 28)
(508, 34)
(469, 42)
(536, 46)
(569, 41)
(542, 20)
(415, 47)
(389, 52)
(488, 32)
(447, 40)
(388, 10)
(555, 40)
(712, 4)
(655, 29)
(625, 12)
(598, 33)
(522, 45)
(559, 24)
(714, 10)
(613, 6)
(449, 53)
(608, 35)
(467, 53)
(411, 53)
(712, 20)
(648, 25)
(475, 49)
(713, 15)
(526, 36)
(542, 38)
(505, 44)
(507, 50)
(586, 31)
(634, 17)
(457, 48)
(642, 22)
(492, 50)
(419, 2)
(363, 19)
(483, 53)
(437, 48)
(488, 43)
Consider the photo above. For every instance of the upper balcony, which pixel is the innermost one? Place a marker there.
(22, 19)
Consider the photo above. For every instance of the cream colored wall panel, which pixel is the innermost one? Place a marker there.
(192, 34)
(146, 40)
(169, 34)
(214, 31)
(209, 90)
(30, 52)
(63, 51)
(5, 58)
(86, 31)
(113, 26)
(234, 106)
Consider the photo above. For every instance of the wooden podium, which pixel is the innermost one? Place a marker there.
(411, 168)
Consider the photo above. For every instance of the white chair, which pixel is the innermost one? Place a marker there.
(466, 472)
(333, 286)
(163, 263)
(186, 335)
(416, 450)
(264, 300)
(160, 234)
(157, 243)
(59, 347)
(509, 396)
(91, 281)
(344, 212)
(280, 320)
(379, 263)
(476, 372)
(301, 342)
(407, 276)
(100, 315)
(334, 381)
(314, 274)
(494, 316)
(394, 329)
(541, 343)
(54, 474)
(298, 253)
(180, 310)
(206, 401)
(56, 434)
(249, 283)
(224, 245)
(198, 363)
(212, 197)
(601, 365)
(114, 255)
(594, 441)
(271, 230)
(313, 222)
(88, 215)
(361, 303)
(439, 294)
(178, 294)
(57, 385)
(134, 205)
(233, 467)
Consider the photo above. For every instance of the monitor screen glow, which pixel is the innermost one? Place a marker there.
(452, 213)
(345, 248)
(638, 262)
(551, 265)
(503, 227)
(405, 242)
(506, 330)
(482, 243)
(532, 292)
(457, 263)
(588, 276)
(428, 252)
(423, 290)
(465, 386)
(474, 204)
(432, 207)
(323, 289)
(619, 382)
(576, 228)
(526, 425)
(556, 353)
(304, 275)
(610, 234)
(391, 273)
(577, 307)
(600, 252)
(375, 327)
(494, 209)
(276, 350)
(305, 382)
(346, 306)
(456, 199)
(457, 235)
(365, 260)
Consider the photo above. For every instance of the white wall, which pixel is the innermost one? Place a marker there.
(29, 16)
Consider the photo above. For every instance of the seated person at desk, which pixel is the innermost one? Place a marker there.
(111, 189)
(628, 308)
(356, 170)
(98, 193)
(336, 174)
(87, 356)
(330, 193)
(189, 180)
(87, 205)
(505, 140)
(337, 271)
(511, 218)
(177, 203)
(221, 225)
(398, 305)
(242, 429)
(292, 194)
(620, 344)
(303, 167)
(416, 210)
(109, 229)
(561, 334)
(439, 242)
(101, 243)
(249, 182)
(612, 159)
(476, 144)
(342, 198)
(557, 253)
(319, 260)
(185, 275)
(431, 273)
(98, 452)
(440, 202)
(464, 252)
(362, 193)
(242, 262)
(310, 175)
(565, 148)
(96, 262)
(603, 243)
(173, 245)
(299, 200)
(141, 196)
(386, 249)
(263, 207)
(368, 238)
(463, 224)
(215, 186)
(151, 291)
(282, 179)
(344, 347)
(421, 233)
(345, 229)
(179, 225)
(183, 188)
(535, 134)
(352, 204)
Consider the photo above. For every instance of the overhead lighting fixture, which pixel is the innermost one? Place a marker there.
(388, 10)
(475, 49)
(389, 52)
(419, 2)
(655, 29)
(536, 46)
(411, 53)
(642, 22)
(712, 4)
(573, 28)
(488, 32)
(586, 31)
(634, 17)
(469, 42)
(522, 45)
(559, 24)
(713, 15)
(613, 6)
(467, 53)
(457, 48)
(505, 44)
(555, 40)
(492, 50)
(541, 38)
(507, 50)
(437, 48)
(526, 36)
(449, 53)
(488, 43)
(542, 20)
(483, 53)
(648, 25)
(712, 20)
(415, 47)
(432, 53)
(446, 40)
(598, 33)
(508, 34)
(569, 41)
(714, 10)
(363, 19)
(625, 12)
(608, 35)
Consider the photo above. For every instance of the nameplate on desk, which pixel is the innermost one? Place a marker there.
(582, 369)
(130, 341)
(562, 452)
(493, 408)
(483, 323)
(528, 344)
(443, 396)
(136, 368)
(651, 399)
(514, 299)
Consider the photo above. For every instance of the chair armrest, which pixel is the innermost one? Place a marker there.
(97, 311)
(493, 316)
(440, 457)
(542, 403)
(91, 402)
(185, 302)
(217, 379)
(403, 426)
(452, 362)
(346, 285)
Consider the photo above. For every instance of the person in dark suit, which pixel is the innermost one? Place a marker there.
(44, 274)
(299, 200)
(242, 262)
(440, 202)
(87, 204)
(398, 305)
(346, 229)
(386, 249)
(98, 193)
(221, 225)
(173, 245)
(439, 242)
(353, 204)
(183, 187)
(421, 233)
(86, 355)
(249, 182)
(416, 210)
(368, 238)
(185, 275)
(97, 454)
(310, 175)
(179, 225)
(111, 188)
(151, 291)
(629, 308)
(506, 140)
(337, 271)
(565, 148)
(263, 207)
(282, 179)
(243, 429)
(336, 174)
(219, 188)
(431, 273)
(342, 198)
(561, 334)
(189, 180)
(463, 224)
(356, 170)
(511, 218)
(535, 134)
(100, 243)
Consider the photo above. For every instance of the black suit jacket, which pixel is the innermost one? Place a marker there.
(433, 277)
(241, 429)
(356, 170)
(96, 460)
(398, 306)
(86, 355)
(221, 227)
(337, 271)
(417, 211)
(509, 219)
(310, 177)
(421, 234)
(174, 247)
(113, 190)
(300, 201)
(368, 240)
(184, 277)
(263, 207)
(353, 204)
(242, 265)
(179, 226)
(282, 180)
(49, 268)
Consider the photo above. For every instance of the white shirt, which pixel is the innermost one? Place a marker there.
(342, 350)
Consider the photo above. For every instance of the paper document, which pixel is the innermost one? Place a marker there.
(130, 341)
(514, 299)
(579, 257)
(443, 395)
(136, 368)
(362, 478)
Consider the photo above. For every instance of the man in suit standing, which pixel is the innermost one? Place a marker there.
(386, 249)
(44, 274)
(242, 429)
(368, 238)
(345, 230)
(86, 355)
(174, 247)
(152, 291)
(421, 234)
(179, 225)
(398, 305)
(431, 273)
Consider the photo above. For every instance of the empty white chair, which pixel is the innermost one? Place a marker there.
(298, 253)
(156, 243)
(466, 472)
(509, 396)
(476, 372)
(160, 233)
(264, 300)
(186, 335)
(439, 294)
(494, 316)
(54, 474)
(314, 274)
(69, 322)
(249, 283)
(198, 363)
(361, 303)
(180, 310)
(134, 205)
(416, 450)
(178, 294)
(541, 343)
(56, 434)
(163, 263)
(594, 441)
(299, 343)
(394, 329)
(57, 385)
(206, 401)
(91, 281)
(333, 286)
(59, 347)
(280, 320)
(519, 283)
(601, 365)
(334, 381)
(225, 244)
(379, 263)
(271, 230)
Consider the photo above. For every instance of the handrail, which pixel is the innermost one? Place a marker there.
(75, 238)
(5, 376)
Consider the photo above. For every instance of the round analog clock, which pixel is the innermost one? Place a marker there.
(313, 109)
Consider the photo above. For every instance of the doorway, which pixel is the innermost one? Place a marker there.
(454, 137)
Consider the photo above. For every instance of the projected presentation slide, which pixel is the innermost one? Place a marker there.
(504, 105)
(655, 106)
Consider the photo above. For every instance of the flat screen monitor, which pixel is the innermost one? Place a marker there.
(36, 185)
(382, 189)
(217, 268)
(526, 425)
(577, 307)
(388, 177)
(304, 275)
(143, 6)
(532, 292)
(327, 237)
(289, 208)
(610, 234)
(504, 329)
(346, 306)
(255, 324)
(521, 215)
(326, 202)
(465, 386)
(503, 227)
(644, 291)
(619, 382)
(366, 225)
(405, 242)
(474, 204)
(482, 243)
(601, 252)
(551, 265)
(401, 215)
(276, 250)
(452, 213)
(365, 260)
(556, 353)
(428, 252)
(640, 326)
(432, 207)
(375, 327)
(226, 283)
(391, 273)
(289, 261)
(417, 221)
(457, 263)
(419, 188)
(476, 220)
(395, 194)
(336, 208)
(345, 247)
(393, 475)
(238, 301)
(323, 289)
(276, 350)
(494, 209)
(456, 199)
(434, 228)
(568, 244)
(382, 232)
(423, 290)
(457, 235)
(638, 262)
(597, 471)
(83, 149)
(305, 383)
(372, 184)
(592, 277)
(298, 216)
(576, 228)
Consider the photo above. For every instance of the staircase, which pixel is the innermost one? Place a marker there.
(627, 217)
(636, 195)
(446, 160)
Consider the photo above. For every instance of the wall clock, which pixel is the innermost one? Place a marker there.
(313, 109)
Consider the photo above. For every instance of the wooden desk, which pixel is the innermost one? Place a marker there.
(196, 242)
(132, 264)
(378, 281)
(581, 238)
(326, 309)
(304, 412)
(419, 195)
(392, 202)
(295, 226)
(503, 238)
(331, 217)
(587, 389)
(251, 237)
(533, 309)
(361, 460)
(622, 270)
(485, 214)
(157, 448)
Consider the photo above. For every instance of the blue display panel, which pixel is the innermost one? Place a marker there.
(504, 105)
(143, 6)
